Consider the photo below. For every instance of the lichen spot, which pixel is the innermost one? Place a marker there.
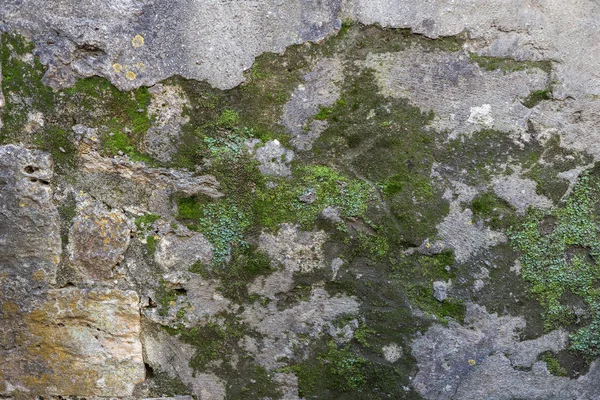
(130, 75)
(137, 41)
(140, 66)
(472, 362)
(117, 67)
(39, 275)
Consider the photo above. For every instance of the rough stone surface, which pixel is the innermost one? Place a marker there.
(440, 290)
(98, 238)
(29, 234)
(166, 110)
(274, 159)
(170, 356)
(352, 283)
(464, 97)
(288, 385)
(207, 41)
(483, 354)
(175, 181)
(77, 342)
(181, 252)
(284, 330)
(291, 251)
(320, 89)
(392, 352)
(464, 236)
(520, 192)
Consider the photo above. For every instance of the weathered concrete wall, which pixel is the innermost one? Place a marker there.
(299, 199)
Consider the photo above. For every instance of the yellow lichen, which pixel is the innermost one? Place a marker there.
(10, 307)
(140, 66)
(39, 275)
(130, 75)
(137, 41)
(117, 67)
(472, 362)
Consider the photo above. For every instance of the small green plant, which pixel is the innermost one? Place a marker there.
(228, 119)
(345, 368)
(151, 243)
(222, 222)
(560, 253)
(552, 364)
(146, 221)
(536, 97)
(323, 113)
(494, 211)
(362, 334)
(275, 205)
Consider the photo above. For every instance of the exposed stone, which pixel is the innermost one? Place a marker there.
(283, 330)
(519, 192)
(308, 197)
(518, 30)
(480, 357)
(201, 302)
(464, 97)
(98, 238)
(429, 248)
(77, 342)
(166, 110)
(392, 352)
(182, 182)
(440, 290)
(167, 354)
(336, 263)
(181, 252)
(320, 89)
(288, 385)
(332, 214)
(291, 251)
(464, 236)
(274, 159)
(207, 41)
(29, 229)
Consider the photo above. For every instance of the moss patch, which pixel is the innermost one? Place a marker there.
(508, 65)
(559, 253)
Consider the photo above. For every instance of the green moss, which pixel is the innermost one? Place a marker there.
(105, 107)
(257, 384)
(323, 113)
(559, 251)
(228, 119)
(508, 65)
(146, 220)
(338, 372)
(67, 212)
(552, 364)
(449, 308)
(163, 384)
(494, 211)
(59, 143)
(151, 243)
(221, 222)
(165, 298)
(385, 141)
(246, 264)
(536, 97)
(213, 341)
(363, 334)
(21, 84)
(275, 205)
